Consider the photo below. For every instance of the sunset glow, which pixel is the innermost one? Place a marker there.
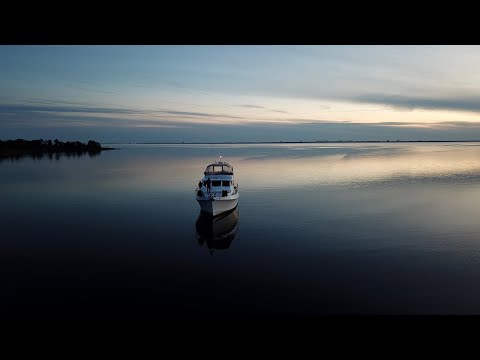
(267, 93)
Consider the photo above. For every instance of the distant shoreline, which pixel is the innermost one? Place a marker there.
(21, 147)
(292, 142)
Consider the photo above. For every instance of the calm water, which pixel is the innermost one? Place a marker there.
(320, 229)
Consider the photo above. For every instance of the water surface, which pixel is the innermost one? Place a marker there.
(320, 229)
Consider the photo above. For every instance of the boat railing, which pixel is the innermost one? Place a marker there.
(211, 194)
(208, 194)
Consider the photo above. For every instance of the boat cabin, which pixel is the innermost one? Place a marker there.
(217, 183)
(219, 168)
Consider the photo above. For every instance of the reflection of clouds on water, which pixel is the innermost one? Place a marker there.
(372, 152)
(256, 157)
(360, 164)
(319, 151)
(218, 232)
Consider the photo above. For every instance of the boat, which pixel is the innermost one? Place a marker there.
(216, 192)
(217, 232)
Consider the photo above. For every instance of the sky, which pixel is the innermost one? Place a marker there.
(239, 93)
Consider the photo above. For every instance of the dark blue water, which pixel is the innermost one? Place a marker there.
(320, 229)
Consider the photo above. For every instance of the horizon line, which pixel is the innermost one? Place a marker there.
(287, 142)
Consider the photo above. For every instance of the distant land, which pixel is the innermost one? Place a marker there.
(295, 142)
(37, 148)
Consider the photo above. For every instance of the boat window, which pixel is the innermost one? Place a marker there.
(225, 183)
(219, 169)
(216, 183)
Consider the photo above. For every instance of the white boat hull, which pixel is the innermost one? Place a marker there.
(217, 206)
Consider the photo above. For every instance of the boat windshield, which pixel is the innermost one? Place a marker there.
(219, 168)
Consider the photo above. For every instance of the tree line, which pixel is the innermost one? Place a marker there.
(48, 146)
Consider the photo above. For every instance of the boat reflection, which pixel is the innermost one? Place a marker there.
(217, 232)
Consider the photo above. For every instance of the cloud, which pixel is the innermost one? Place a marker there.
(18, 108)
(262, 107)
(251, 106)
(105, 129)
(202, 114)
(88, 111)
(467, 103)
(16, 119)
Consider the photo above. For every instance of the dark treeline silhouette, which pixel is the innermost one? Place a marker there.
(16, 149)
